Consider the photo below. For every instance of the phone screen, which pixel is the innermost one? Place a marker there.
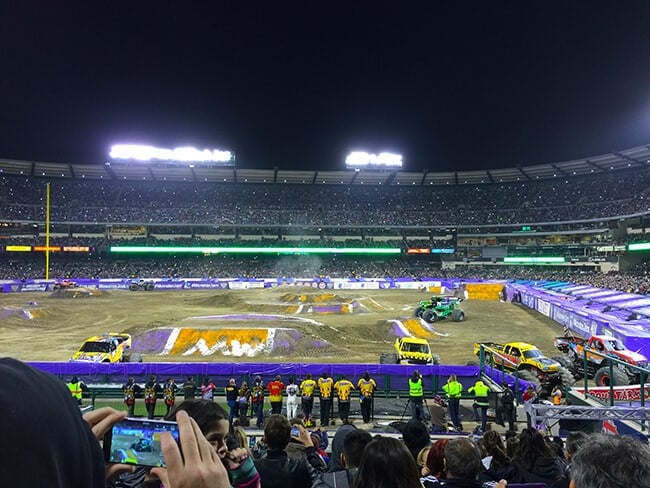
(137, 441)
(295, 432)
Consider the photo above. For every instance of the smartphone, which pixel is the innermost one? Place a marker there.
(137, 441)
(295, 432)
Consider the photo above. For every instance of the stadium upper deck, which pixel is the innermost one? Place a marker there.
(597, 165)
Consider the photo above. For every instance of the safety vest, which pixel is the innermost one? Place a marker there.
(415, 388)
(480, 391)
(75, 389)
(453, 389)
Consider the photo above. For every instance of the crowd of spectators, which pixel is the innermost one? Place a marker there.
(213, 454)
(557, 200)
(634, 280)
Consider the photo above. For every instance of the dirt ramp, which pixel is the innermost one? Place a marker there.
(311, 298)
(26, 313)
(79, 292)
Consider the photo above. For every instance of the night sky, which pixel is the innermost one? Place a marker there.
(297, 85)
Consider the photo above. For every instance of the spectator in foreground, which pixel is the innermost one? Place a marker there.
(337, 447)
(416, 437)
(276, 469)
(535, 461)
(212, 421)
(607, 461)
(354, 442)
(434, 467)
(387, 463)
(463, 463)
(68, 454)
(574, 441)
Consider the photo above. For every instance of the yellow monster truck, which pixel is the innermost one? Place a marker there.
(530, 363)
(410, 350)
(111, 347)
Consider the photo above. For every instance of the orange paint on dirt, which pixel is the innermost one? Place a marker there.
(416, 329)
(187, 338)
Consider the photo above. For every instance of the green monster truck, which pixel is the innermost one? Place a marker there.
(438, 308)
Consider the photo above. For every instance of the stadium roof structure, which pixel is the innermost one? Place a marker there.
(635, 157)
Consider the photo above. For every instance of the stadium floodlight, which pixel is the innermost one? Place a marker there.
(179, 154)
(360, 159)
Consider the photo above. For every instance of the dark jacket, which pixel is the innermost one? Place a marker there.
(336, 479)
(297, 450)
(277, 470)
(545, 470)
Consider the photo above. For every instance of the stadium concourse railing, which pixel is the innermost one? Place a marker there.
(106, 379)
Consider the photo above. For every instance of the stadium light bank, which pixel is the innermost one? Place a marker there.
(126, 152)
(360, 159)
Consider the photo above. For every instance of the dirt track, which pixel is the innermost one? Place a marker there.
(313, 326)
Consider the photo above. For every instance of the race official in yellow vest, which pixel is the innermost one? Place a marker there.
(77, 388)
(416, 395)
(480, 391)
(454, 389)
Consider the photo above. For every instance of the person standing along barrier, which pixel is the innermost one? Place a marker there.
(292, 399)
(152, 390)
(307, 387)
(344, 389)
(231, 391)
(325, 384)
(367, 387)
(131, 389)
(480, 391)
(276, 387)
(416, 396)
(257, 401)
(454, 389)
(189, 389)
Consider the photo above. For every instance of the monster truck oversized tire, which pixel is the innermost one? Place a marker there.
(457, 315)
(429, 316)
(567, 364)
(567, 376)
(418, 312)
(388, 358)
(133, 287)
(531, 377)
(148, 287)
(618, 377)
(135, 358)
(436, 359)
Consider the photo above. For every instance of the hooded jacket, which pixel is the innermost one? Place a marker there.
(46, 442)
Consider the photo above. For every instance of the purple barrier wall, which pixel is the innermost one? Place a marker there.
(587, 317)
(388, 376)
(397, 374)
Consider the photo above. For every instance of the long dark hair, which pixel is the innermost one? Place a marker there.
(532, 446)
(387, 463)
(205, 412)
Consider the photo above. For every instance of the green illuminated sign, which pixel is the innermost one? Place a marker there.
(254, 250)
(534, 260)
(639, 246)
